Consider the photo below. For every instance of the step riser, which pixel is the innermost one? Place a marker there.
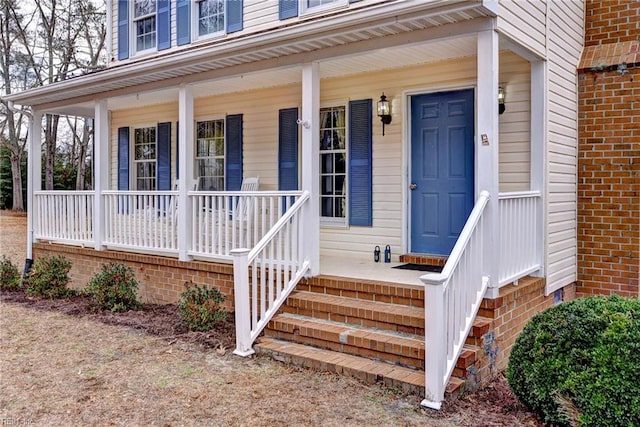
(412, 296)
(353, 320)
(411, 360)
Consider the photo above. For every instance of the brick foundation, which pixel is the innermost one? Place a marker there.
(161, 279)
(508, 314)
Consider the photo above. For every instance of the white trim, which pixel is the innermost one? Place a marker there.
(311, 10)
(406, 146)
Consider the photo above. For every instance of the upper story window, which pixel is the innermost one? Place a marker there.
(210, 17)
(312, 6)
(144, 24)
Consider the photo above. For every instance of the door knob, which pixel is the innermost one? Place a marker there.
(413, 186)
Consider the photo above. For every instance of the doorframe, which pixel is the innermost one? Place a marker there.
(406, 146)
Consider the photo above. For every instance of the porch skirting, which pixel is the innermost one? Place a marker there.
(161, 278)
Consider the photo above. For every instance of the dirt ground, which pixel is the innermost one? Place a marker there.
(64, 364)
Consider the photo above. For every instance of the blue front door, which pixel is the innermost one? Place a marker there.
(442, 153)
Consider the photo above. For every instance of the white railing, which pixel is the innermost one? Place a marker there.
(520, 235)
(144, 220)
(451, 302)
(222, 221)
(64, 216)
(265, 275)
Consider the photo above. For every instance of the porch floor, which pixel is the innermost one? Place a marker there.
(369, 270)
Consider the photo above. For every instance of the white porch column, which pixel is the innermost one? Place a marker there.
(311, 163)
(538, 153)
(487, 165)
(185, 155)
(34, 175)
(100, 170)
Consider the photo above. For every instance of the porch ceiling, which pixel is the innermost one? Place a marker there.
(386, 25)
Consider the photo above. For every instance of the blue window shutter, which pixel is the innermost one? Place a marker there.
(164, 24)
(360, 151)
(183, 22)
(234, 15)
(163, 159)
(233, 152)
(288, 149)
(123, 29)
(287, 8)
(177, 150)
(123, 158)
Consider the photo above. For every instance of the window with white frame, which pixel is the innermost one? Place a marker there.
(209, 16)
(210, 155)
(144, 24)
(145, 152)
(333, 165)
(312, 6)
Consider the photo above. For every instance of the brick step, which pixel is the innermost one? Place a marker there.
(372, 314)
(372, 290)
(401, 349)
(424, 259)
(370, 371)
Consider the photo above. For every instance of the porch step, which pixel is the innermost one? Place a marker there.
(368, 329)
(367, 370)
(401, 349)
(354, 311)
(423, 259)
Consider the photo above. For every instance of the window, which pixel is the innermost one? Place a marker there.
(144, 24)
(210, 17)
(333, 164)
(210, 155)
(311, 6)
(145, 147)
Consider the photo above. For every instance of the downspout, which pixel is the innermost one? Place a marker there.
(28, 262)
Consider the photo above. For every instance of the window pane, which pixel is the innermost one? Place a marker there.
(333, 162)
(143, 7)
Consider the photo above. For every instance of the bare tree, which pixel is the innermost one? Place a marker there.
(55, 40)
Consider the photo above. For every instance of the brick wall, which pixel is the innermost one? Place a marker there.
(161, 279)
(609, 151)
(611, 21)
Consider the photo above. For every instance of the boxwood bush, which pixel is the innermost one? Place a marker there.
(578, 363)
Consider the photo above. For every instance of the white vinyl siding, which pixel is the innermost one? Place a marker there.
(515, 133)
(525, 21)
(566, 34)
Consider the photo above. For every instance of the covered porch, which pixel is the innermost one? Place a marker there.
(276, 236)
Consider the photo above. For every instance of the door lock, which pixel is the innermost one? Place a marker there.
(413, 186)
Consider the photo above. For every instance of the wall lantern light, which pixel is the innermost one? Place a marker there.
(501, 106)
(384, 111)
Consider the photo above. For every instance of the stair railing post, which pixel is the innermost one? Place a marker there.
(242, 303)
(435, 343)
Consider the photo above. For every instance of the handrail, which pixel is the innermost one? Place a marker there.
(273, 276)
(452, 299)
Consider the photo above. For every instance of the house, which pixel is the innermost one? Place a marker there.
(609, 149)
(439, 132)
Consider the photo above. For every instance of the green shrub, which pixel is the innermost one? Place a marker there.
(114, 288)
(9, 275)
(49, 278)
(577, 363)
(200, 307)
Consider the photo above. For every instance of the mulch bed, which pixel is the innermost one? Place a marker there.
(159, 320)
